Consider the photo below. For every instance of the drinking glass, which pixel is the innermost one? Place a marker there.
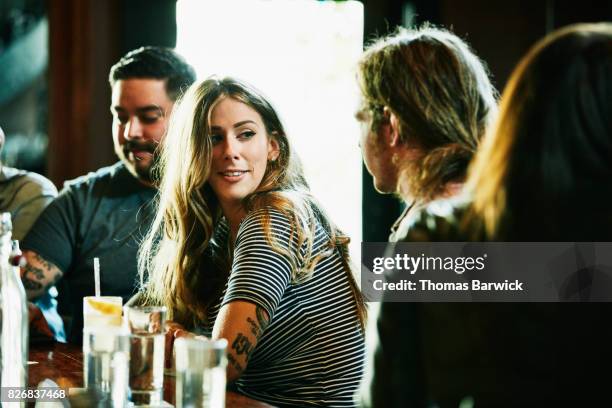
(147, 327)
(200, 372)
(101, 311)
(100, 314)
(106, 355)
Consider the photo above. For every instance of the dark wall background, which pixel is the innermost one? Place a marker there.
(147, 22)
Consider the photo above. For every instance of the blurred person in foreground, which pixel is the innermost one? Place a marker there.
(427, 102)
(543, 174)
(25, 195)
(241, 250)
(105, 214)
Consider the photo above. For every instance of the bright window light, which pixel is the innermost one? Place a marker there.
(302, 55)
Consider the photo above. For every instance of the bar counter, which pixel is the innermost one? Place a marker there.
(63, 364)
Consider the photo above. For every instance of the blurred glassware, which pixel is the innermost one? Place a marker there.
(106, 354)
(200, 372)
(147, 325)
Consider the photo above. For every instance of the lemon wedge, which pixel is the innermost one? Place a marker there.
(105, 308)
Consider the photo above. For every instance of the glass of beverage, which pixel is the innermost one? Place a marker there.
(147, 327)
(106, 354)
(100, 314)
(200, 372)
(101, 311)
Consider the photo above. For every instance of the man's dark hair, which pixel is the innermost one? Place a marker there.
(156, 63)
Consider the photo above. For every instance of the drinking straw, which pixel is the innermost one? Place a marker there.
(97, 275)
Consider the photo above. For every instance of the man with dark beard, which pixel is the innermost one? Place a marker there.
(105, 214)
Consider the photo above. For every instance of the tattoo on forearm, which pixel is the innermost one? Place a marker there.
(46, 264)
(29, 284)
(262, 318)
(242, 345)
(34, 277)
(34, 271)
(258, 327)
(255, 330)
(232, 360)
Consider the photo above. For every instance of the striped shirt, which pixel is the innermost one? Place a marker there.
(311, 354)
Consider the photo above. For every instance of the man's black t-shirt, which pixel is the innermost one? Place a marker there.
(103, 214)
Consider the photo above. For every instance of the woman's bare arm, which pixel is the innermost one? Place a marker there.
(233, 400)
(242, 324)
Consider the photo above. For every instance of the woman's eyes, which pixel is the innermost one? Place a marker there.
(247, 134)
(244, 135)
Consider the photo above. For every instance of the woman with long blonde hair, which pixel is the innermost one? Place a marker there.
(241, 250)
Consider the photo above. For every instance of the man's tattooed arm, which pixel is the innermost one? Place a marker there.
(38, 274)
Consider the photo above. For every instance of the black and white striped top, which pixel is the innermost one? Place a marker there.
(312, 352)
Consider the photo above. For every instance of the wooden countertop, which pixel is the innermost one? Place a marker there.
(63, 364)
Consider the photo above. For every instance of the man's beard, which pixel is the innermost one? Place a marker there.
(144, 173)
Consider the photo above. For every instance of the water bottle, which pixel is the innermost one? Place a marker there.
(14, 338)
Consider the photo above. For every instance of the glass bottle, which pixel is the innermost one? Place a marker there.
(14, 338)
(5, 238)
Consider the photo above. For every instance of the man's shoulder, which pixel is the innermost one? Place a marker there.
(113, 185)
(27, 183)
(103, 175)
(440, 220)
(45, 185)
